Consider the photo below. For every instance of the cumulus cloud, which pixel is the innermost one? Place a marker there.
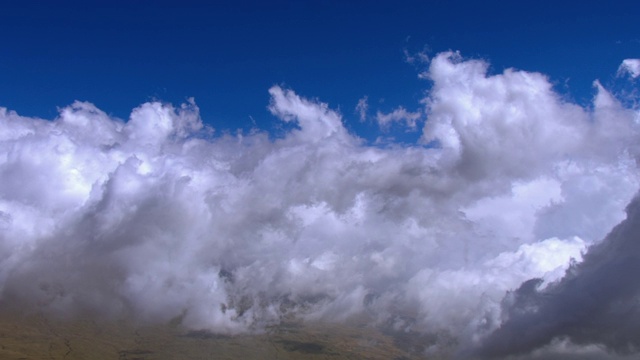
(155, 219)
(630, 67)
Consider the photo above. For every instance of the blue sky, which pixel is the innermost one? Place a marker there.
(119, 54)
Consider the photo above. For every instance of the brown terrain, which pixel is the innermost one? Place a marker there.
(36, 337)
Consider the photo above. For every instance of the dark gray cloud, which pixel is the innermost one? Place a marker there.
(597, 302)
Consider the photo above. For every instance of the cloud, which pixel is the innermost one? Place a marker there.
(418, 58)
(476, 118)
(398, 115)
(362, 108)
(155, 219)
(595, 303)
(631, 67)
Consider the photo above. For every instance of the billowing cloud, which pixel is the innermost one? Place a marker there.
(155, 219)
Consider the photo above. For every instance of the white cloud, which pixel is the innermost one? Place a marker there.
(504, 125)
(631, 67)
(362, 108)
(316, 121)
(398, 115)
(235, 232)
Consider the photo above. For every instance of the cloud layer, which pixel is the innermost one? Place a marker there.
(155, 218)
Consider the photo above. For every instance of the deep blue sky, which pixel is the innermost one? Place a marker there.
(118, 54)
